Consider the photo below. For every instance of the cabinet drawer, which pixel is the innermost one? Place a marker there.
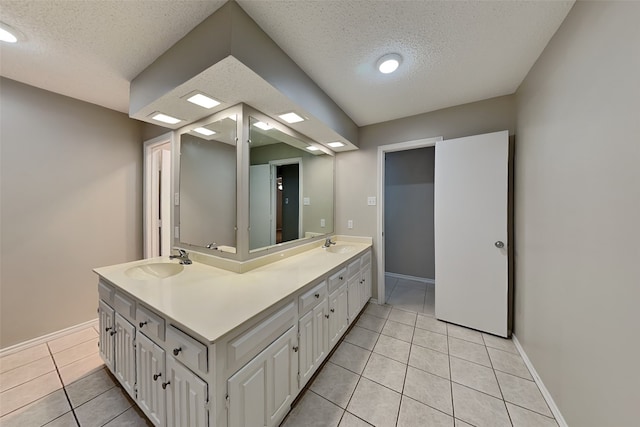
(353, 268)
(365, 260)
(187, 349)
(150, 323)
(251, 342)
(125, 306)
(106, 292)
(337, 279)
(311, 298)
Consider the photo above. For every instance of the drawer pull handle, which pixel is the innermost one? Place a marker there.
(333, 310)
(295, 349)
(317, 295)
(164, 385)
(142, 324)
(156, 376)
(341, 278)
(326, 315)
(112, 333)
(108, 329)
(176, 351)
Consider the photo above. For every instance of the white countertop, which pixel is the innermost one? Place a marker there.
(211, 302)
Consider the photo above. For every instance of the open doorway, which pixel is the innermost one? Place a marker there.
(404, 173)
(409, 223)
(287, 202)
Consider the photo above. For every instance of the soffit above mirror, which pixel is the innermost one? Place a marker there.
(229, 58)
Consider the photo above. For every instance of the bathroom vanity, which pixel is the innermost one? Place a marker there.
(196, 345)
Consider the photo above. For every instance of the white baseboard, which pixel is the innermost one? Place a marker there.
(545, 393)
(414, 278)
(49, 337)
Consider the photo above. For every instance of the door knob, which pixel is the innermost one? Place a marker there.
(499, 244)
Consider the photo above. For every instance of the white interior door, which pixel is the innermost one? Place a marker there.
(260, 206)
(165, 201)
(471, 263)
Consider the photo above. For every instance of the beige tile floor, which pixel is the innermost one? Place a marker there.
(411, 295)
(396, 367)
(400, 368)
(63, 383)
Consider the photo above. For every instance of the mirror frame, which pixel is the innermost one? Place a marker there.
(242, 112)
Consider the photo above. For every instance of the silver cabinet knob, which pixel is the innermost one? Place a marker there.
(499, 244)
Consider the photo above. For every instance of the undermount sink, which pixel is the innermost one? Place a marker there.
(158, 270)
(340, 249)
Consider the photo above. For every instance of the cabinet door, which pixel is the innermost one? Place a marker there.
(106, 326)
(186, 396)
(305, 345)
(261, 393)
(338, 315)
(320, 333)
(365, 285)
(125, 354)
(150, 376)
(354, 302)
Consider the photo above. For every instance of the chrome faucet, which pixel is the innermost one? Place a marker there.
(183, 256)
(328, 243)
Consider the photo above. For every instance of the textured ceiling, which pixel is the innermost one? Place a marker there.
(454, 52)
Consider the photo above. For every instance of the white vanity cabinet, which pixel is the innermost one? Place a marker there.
(125, 354)
(105, 326)
(359, 284)
(156, 372)
(261, 393)
(151, 374)
(247, 376)
(187, 396)
(313, 329)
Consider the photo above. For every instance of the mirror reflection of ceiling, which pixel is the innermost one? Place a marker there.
(223, 130)
(261, 137)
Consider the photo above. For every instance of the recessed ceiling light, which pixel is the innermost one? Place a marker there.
(291, 117)
(312, 148)
(203, 100)
(389, 63)
(8, 34)
(335, 144)
(165, 118)
(204, 131)
(263, 125)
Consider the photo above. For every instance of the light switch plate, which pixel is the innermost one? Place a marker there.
(371, 200)
(322, 223)
(176, 232)
(176, 199)
(350, 224)
(306, 201)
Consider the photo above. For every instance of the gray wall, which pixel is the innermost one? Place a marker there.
(70, 201)
(356, 171)
(578, 215)
(409, 212)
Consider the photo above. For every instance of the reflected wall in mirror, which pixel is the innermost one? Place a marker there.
(291, 188)
(208, 185)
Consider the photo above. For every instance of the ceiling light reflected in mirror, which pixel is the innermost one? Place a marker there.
(263, 125)
(312, 148)
(335, 144)
(8, 34)
(204, 131)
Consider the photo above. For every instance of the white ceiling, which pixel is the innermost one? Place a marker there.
(454, 52)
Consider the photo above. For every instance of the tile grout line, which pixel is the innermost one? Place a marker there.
(64, 389)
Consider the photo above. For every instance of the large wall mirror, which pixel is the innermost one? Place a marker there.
(208, 185)
(291, 186)
(249, 184)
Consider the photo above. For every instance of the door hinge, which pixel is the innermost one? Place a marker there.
(227, 401)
